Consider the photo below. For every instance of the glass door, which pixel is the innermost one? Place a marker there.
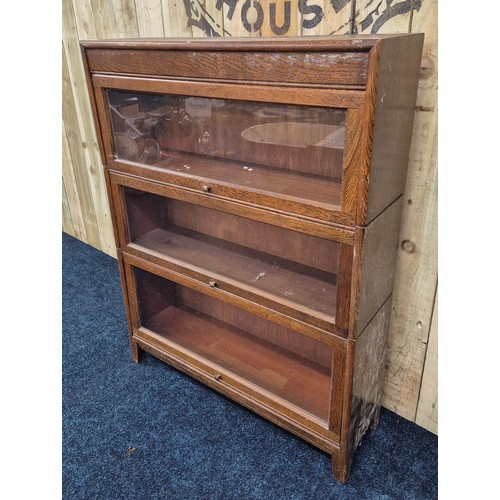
(290, 152)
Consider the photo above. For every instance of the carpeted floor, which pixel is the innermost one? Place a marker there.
(148, 431)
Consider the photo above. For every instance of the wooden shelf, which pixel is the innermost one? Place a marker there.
(287, 282)
(287, 375)
(299, 186)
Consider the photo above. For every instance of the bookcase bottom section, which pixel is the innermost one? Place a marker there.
(260, 401)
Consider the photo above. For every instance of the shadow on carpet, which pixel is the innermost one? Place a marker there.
(148, 431)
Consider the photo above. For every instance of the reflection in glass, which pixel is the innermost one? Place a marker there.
(291, 268)
(289, 365)
(272, 147)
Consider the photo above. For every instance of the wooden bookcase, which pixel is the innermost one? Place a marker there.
(256, 189)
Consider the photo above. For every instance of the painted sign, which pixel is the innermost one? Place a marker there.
(253, 14)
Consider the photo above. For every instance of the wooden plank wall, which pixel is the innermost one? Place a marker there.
(411, 377)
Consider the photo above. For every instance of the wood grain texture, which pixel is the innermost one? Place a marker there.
(302, 424)
(333, 338)
(312, 208)
(309, 68)
(364, 143)
(67, 222)
(78, 161)
(115, 18)
(71, 191)
(260, 93)
(84, 16)
(427, 411)
(339, 43)
(416, 272)
(77, 117)
(269, 295)
(380, 249)
(353, 158)
(371, 351)
(149, 18)
(175, 19)
(303, 384)
(396, 90)
(334, 233)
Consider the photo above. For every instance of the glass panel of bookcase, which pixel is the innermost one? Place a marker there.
(289, 150)
(296, 269)
(294, 367)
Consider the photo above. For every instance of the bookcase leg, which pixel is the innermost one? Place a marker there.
(340, 466)
(137, 352)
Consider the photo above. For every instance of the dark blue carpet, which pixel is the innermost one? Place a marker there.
(148, 431)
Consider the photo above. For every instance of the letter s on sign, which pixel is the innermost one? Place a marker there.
(310, 9)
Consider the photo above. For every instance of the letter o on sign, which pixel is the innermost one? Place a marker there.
(257, 23)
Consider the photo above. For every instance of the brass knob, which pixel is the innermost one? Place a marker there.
(212, 284)
(217, 377)
(205, 188)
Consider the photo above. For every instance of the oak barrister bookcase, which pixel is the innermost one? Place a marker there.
(256, 190)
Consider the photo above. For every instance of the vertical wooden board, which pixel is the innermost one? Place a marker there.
(84, 16)
(426, 21)
(67, 222)
(280, 18)
(125, 19)
(84, 123)
(70, 187)
(149, 18)
(175, 18)
(70, 118)
(427, 411)
(416, 273)
(241, 18)
(327, 17)
(114, 18)
(205, 18)
(386, 16)
(104, 21)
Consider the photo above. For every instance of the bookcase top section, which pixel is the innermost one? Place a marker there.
(348, 43)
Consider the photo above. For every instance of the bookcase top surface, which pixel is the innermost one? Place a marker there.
(273, 44)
